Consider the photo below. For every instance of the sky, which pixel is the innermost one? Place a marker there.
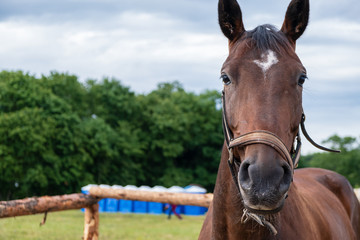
(142, 43)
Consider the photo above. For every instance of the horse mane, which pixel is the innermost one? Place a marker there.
(267, 36)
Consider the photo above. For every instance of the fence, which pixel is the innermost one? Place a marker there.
(47, 204)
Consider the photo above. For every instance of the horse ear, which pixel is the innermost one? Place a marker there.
(230, 19)
(296, 19)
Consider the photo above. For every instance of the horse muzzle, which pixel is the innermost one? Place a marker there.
(264, 206)
(264, 180)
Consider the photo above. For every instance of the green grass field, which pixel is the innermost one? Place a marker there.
(70, 224)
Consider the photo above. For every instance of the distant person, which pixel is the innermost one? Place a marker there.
(172, 210)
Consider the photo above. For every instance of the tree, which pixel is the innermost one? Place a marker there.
(39, 140)
(114, 131)
(111, 101)
(184, 136)
(69, 89)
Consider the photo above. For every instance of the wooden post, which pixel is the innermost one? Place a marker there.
(203, 200)
(91, 225)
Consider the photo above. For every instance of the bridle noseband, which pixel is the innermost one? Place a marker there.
(265, 137)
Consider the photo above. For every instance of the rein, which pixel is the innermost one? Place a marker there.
(270, 139)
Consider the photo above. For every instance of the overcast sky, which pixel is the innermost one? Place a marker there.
(143, 42)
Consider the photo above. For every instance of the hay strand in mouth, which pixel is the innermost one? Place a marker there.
(260, 219)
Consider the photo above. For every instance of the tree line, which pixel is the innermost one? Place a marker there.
(58, 134)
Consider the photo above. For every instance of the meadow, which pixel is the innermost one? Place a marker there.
(69, 225)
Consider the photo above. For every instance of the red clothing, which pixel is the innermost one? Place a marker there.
(173, 209)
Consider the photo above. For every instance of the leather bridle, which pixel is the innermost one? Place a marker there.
(265, 137)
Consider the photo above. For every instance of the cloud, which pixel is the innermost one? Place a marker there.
(329, 50)
(330, 62)
(334, 29)
(151, 47)
(346, 9)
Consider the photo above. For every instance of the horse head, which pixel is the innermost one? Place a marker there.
(262, 103)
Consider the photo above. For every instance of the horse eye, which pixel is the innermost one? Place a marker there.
(225, 78)
(302, 79)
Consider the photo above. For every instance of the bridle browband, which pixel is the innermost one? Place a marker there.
(268, 138)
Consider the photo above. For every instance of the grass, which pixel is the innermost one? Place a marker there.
(70, 224)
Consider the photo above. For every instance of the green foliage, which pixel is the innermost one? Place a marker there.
(57, 134)
(112, 101)
(183, 138)
(40, 142)
(346, 163)
(69, 89)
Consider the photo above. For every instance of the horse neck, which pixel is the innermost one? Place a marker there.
(228, 209)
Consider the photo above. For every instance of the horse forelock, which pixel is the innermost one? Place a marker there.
(268, 37)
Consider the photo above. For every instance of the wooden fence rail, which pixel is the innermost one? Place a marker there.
(202, 200)
(44, 204)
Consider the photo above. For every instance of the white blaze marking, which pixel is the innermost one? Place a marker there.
(267, 60)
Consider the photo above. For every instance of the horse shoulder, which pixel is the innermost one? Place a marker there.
(334, 195)
(337, 184)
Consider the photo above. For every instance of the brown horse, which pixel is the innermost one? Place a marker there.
(258, 195)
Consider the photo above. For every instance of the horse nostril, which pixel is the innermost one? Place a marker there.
(244, 176)
(286, 179)
(287, 173)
